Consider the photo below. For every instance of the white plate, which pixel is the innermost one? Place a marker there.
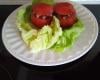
(15, 45)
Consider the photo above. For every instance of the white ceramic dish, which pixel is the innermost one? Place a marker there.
(15, 45)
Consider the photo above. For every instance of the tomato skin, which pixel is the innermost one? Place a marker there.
(39, 23)
(66, 14)
(41, 14)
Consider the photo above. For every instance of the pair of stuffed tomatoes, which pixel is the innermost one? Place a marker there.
(42, 14)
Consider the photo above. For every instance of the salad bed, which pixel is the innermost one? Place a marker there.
(55, 35)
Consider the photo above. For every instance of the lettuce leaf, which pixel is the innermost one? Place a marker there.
(68, 38)
(50, 2)
(23, 19)
(47, 36)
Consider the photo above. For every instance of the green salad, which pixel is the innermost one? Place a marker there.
(51, 36)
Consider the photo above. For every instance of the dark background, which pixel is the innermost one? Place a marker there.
(87, 67)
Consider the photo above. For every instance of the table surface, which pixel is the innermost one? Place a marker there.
(86, 66)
